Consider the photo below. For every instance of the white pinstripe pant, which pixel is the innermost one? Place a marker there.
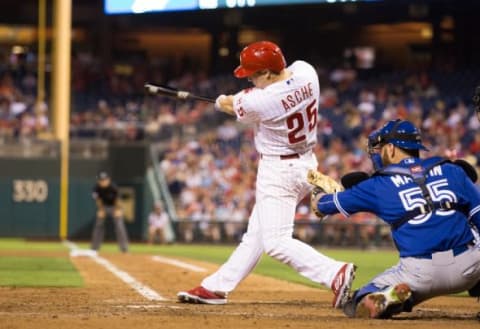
(281, 184)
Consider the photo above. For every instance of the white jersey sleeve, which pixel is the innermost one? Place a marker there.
(284, 113)
(244, 110)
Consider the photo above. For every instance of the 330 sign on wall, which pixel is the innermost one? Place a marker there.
(25, 190)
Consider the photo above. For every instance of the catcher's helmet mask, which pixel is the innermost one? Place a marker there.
(401, 133)
(262, 55)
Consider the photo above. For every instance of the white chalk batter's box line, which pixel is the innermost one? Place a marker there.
(136, 285)
(178, 263)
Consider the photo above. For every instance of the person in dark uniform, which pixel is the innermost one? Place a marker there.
(105, 194)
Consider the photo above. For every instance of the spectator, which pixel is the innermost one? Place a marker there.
(157, 224)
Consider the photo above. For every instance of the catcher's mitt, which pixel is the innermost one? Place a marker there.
(476, 101)
(322, 184)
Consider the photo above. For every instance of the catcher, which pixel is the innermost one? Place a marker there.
(433, 208)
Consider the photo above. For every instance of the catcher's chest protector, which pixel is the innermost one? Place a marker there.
(418, 173)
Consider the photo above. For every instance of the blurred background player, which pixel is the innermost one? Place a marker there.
(105, 194)
(283, 108)
(157, 221)
(431, 206)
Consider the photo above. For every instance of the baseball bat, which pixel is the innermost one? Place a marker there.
(175, 93)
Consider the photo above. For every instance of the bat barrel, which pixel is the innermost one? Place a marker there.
(183, 94)
(178, 94)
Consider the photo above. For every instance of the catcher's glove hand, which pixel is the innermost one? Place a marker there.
(476, 101)
(322, 184)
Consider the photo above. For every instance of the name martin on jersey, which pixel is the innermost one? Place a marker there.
(297, 96)
(399, 180)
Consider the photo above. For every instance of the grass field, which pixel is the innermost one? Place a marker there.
(58, 271)
(38, 272)
(43, 286)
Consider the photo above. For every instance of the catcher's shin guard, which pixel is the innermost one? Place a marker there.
(383, 304)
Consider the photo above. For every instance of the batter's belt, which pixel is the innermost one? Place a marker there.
(284, 156)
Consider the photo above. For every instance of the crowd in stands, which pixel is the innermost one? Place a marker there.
(210, 160)
(218, 165)
(21, 116)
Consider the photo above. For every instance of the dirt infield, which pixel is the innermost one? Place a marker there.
(259, 302)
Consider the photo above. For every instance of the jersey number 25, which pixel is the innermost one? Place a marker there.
(296, 123)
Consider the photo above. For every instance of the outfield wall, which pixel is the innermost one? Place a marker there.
(30, 193)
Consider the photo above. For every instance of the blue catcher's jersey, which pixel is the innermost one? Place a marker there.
(392, 196)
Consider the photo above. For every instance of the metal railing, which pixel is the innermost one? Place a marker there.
(321, 233)
(38, 148)
(28, 148)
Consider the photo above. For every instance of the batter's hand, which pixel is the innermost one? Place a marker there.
(323, 182)
(219, 102)
(224, 103)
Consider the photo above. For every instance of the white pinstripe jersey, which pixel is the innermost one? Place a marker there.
(284, 113)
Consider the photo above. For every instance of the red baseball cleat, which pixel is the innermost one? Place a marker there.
(200, 295)
(342, 283)
(383, 304)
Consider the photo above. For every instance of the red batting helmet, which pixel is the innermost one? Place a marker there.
(259, 56)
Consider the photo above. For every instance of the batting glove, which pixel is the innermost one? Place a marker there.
(218, 102)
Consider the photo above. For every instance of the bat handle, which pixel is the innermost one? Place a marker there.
(151, 88)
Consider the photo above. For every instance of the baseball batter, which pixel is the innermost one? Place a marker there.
(283, 108)
(433, 208)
